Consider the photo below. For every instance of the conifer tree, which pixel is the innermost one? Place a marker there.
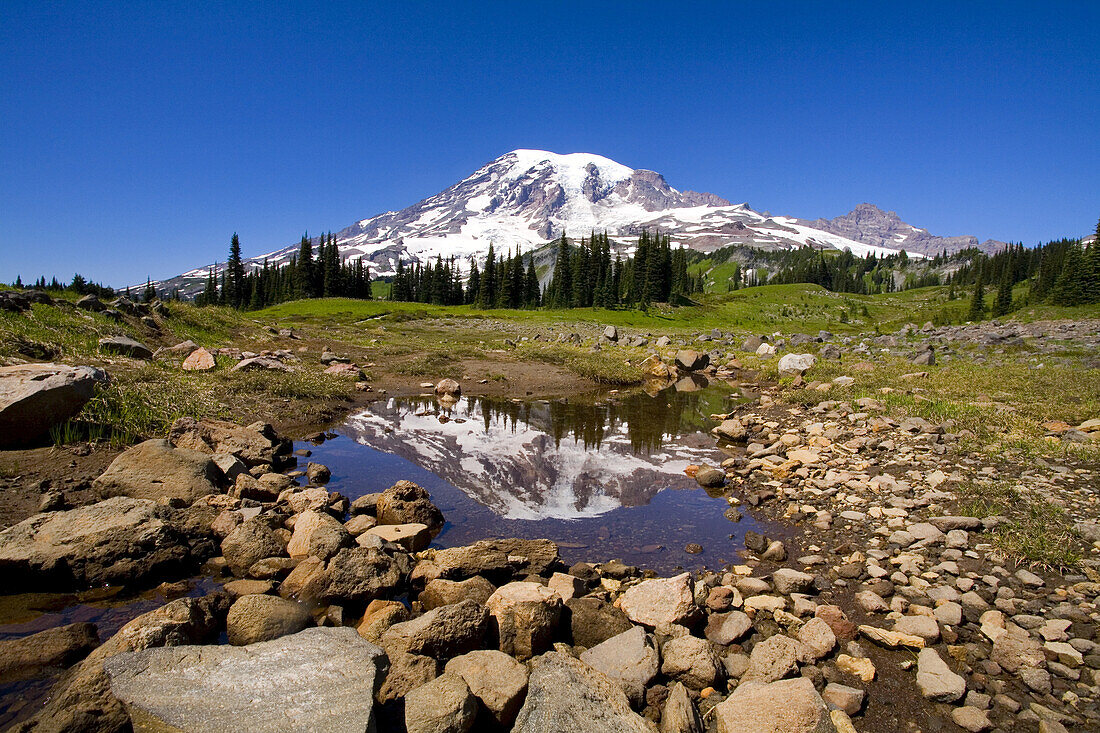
(235, 282)
(977, 302)
(304, 270)
(150, 293)
(1002, 305)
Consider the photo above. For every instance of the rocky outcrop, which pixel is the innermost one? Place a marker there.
(155, 470)
(318, 679)
(36, 397)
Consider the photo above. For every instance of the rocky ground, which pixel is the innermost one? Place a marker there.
(924, 585)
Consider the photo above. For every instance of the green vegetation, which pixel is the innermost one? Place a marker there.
(1032, 533)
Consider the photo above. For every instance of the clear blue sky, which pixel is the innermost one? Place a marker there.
(135, 138)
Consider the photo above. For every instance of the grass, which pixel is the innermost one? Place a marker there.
(597, 366)
(1035, 533)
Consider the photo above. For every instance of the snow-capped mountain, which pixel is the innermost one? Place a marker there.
(526, 198)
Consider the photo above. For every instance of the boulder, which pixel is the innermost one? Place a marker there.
(250, 542)
(407, 503)
(661, 601)
(565, 694)
(37, 397)
(691, 660)
(82, 699)
(730, 430)
(788, 581)
(125, 346)
(260, 364)
(796, 364)
(497, 680)
(497, 560)
(317, 534)
(441, 633)
(610, 333)
(448, 388)
(379, 616)
(442, 592)
(594, 621)
(180, 351)
(444, 705)
(117, 541)
(199, 360)
(317, 679)
(256, 618)
(254, 445)
(413, 536)
(709, 477)
(817, 637)
(787, 706)
(362, 574)
(689, 360)
(155, 470)
(631, 659)
(56, 648)
(91, 303)
(525, 617)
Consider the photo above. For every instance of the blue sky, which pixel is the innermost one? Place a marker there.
(136, 138)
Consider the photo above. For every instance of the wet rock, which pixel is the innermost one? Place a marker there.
(594, 621)
(690, 660)
(255, 618)
(120, 540)
(631, 659)
(406, 503)
(790, 706)
(448, 388)
(318, 473)
(251, 541)
(443, 705)
(525, 617)
(442, 633)
(680, 714)
(936, 680)
(125, 346)
(661, 601)
(566, 694)
(328, 673)
(31, 655)
(36, 397)
(710, 477)
(497, 680)
(155, 470)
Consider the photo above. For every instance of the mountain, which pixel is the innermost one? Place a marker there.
(869, 224)
(526, 198)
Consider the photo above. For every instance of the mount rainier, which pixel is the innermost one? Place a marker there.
(526, 198)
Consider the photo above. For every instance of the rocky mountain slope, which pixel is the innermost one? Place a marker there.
(526, 198)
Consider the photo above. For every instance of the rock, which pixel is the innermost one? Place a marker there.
(871, 602)
(260, 364)
(91, 303)
(525, 617)
(661, 601)
(860, 667)
(567, 586)
(117, 541)
(30, 656)
(448, 388)
(443, 705)
(891, 639)
(796, 364)
(497, 560)
(631, 659)
(82, 699)
(817, 637)
(788, 581)
(775, 552)
(922, 626)
(361, 574)
(406, 673)
(726, 628)
(787, 706)
(730, 430)
(751, 344)
(245, 587)
(709, 477)
(971, 719)
(610, 333)
(180, 351)
(691, 660)
(773, 659)
(497, 680)
(441, 592)
(441, 633)
(155, 470)
(679, 714)
(379, 616)
(925, 358)
(317, 679)
(318, 473)
(255, 618)
(407, 503)
(125, 346)
(689, 360)
(594, 621)
(765, 350)
(1015, 650)
(936, 680)
(254, 445)
(317, 534)
(37, 397)
(413, 537)
(250, 542)
(848, 699)
(567, 695)
(199, 360)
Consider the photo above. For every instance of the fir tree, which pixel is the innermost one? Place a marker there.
(977, 303)
(150, 293)
(1002, 305)
(303, 270)
(235, 282)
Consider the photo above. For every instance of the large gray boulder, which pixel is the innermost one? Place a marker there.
(155, 470)
(565, 694)
(442, 633)
(631, 659)
(117, 541)
(36, 397)
(318, 679)
(788, 706)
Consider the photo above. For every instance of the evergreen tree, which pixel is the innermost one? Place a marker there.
(150, 293)
(235, 267)
(304, 270)
(531, 295)
(977, 302)
(487, 292)
(1002, 305)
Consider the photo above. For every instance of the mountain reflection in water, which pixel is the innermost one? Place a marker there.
(561, 459)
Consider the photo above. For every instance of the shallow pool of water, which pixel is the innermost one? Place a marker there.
(601, 474)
